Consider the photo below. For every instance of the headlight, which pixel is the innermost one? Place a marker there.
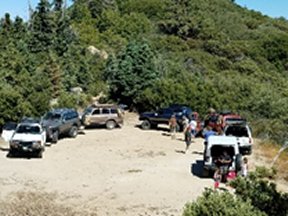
(14, 143)
(36, 144)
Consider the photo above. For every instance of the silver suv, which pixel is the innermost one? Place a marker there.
(109, 115)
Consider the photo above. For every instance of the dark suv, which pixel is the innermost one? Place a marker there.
(162, 116)
(59, 122)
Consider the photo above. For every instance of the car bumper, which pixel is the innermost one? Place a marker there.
(30, 148)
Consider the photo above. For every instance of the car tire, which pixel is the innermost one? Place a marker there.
(110, 124)
(11, 154)
(238, 162)
(39, 154)
(73, 132)
(146, 125)
(55, 136)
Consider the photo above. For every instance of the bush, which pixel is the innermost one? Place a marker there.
(215, 203)
(262, 194)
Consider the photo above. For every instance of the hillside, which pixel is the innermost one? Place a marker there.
(203, 53)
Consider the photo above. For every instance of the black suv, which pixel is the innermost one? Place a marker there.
(162, 116)
(59, 122)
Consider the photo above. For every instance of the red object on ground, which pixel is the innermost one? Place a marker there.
(216, 184)
(231, 175)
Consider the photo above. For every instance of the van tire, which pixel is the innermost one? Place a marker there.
(110, 124)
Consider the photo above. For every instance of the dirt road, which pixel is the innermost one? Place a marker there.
(125, 171)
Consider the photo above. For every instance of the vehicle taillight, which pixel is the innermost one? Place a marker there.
(250, 140)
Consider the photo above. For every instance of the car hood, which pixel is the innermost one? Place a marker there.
(7, 135)
(27, 137)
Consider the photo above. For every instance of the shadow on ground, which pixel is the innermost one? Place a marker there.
(197, 168)
(180, 151)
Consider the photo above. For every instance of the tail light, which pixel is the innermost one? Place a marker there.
(250, 140)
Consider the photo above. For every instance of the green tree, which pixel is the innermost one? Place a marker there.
(42, 27)
(131, 72)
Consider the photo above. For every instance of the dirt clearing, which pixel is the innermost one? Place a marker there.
(124, 171)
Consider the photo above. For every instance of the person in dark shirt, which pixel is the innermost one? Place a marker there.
(224, 162)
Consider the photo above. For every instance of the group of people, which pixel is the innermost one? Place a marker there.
(222, 172)
(189, 129)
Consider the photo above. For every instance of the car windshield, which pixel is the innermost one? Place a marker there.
(28, 129)
(237, 131)
(88, 110)
(52, 116)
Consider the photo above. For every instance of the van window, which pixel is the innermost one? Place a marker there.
(114, 111)
(96, 112)
(105, 111)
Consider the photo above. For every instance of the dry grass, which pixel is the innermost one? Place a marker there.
(268, 151)
(36, 204)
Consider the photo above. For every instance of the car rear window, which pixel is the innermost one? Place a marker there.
(28, 129)
(237, 131)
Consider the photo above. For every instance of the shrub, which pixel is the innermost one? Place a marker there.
(215, 203)
(262, 194)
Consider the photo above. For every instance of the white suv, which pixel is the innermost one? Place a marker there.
(215, 148)
(28, 137)
(243, 134)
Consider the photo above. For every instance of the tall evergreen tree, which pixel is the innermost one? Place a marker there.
(42, 28)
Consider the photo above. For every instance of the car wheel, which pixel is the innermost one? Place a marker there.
(110, 124)
(55, 136)
(11, 154)
(39, 154)
(238, 162)
(146, 125)
(73, 132)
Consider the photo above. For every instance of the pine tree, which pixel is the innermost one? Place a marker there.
(42, 28)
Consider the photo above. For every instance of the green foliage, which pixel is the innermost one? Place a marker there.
(42, 28)
(131, 72)
(222, 204)
(262, 194)
(200, 53)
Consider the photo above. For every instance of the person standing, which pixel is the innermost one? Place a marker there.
(193, 126)
(188, 136)
(244, 167)
(173, 126)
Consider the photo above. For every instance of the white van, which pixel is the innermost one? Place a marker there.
(215, 148)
